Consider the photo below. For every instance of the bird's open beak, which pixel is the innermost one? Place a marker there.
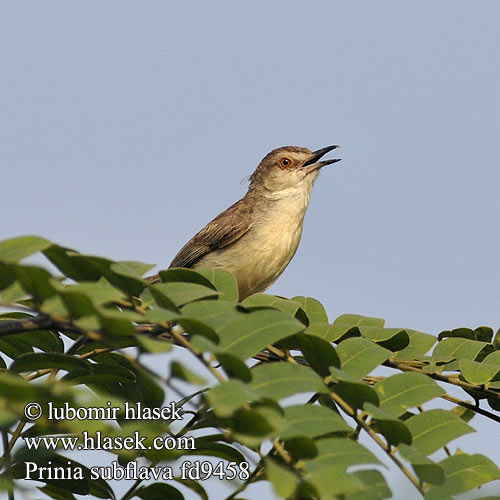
(313, 163)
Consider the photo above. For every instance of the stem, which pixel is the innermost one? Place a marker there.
(187, 344)
(253, 476)
(352, 413)
(470, 406)
(443, 378)
(8, 463)
(17, 433)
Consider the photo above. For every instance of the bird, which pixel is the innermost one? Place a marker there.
(256, 238)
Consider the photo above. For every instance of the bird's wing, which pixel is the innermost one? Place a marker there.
(226, 228)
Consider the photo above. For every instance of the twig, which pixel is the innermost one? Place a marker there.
(258, 471)
(443, 378)
(352, 413)
(187, 344)
(8, 464)
(470, 406)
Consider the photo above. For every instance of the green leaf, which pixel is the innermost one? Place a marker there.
(159, 490)
(321, 330)
(15, 388)
(419, 344)
(151, 393)
(101, 489)
(248, 334)
(149, 344)
(484, 333)
(318, 353)
(257, 422)
(7, 276)
(340, 453)
(359, 356)
(284, 482)
(131, 268)
(15, 345)
(280, 380)
(7, 416)
(464, 473)
(71, 264)
(223, 281)
(331, 484)
(215, 314)
(194, 486)
(204, 447)
(435, 364)
(45, 340)
(53, 491)
(13, 293)
(311, 421)
(181, 293)
(352, 389)
(117, 274)
(145, 389)
(466, 414)
(183, 275)
(234, 367)
(195, 327)
(77, 305)
(493, 358)
(178, 370)
(403, 391)
(313, 308)
(100, 373)
(301, 447)
(55, 307)
(394, 430)
(258, 300)
(348, 324)
(465, 333)
(36, 281)
(42, 360)
(123, 275)
(228, 397)
(15, 249)
(160, 316)
(374, 486)
(459, 348)
(433, 429)
(426, 470)
(478, 373)
(394, 339)
(100, 292)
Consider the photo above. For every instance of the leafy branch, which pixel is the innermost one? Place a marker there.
(90, 327)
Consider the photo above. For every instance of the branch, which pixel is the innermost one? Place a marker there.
(470, 406)
(353, 414)
(405, 367)
(474, 407)
(7, 459)
(11, 326)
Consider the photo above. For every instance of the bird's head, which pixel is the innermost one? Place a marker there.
(289, 167)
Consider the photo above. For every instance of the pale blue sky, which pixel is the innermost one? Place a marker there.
(126, 126)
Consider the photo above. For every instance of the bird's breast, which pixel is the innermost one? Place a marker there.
(259, 257)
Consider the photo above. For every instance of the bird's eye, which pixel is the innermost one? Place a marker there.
(285, 162)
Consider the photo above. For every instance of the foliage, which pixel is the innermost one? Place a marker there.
(86, 338)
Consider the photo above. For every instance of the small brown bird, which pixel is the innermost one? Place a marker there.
(257, 237)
